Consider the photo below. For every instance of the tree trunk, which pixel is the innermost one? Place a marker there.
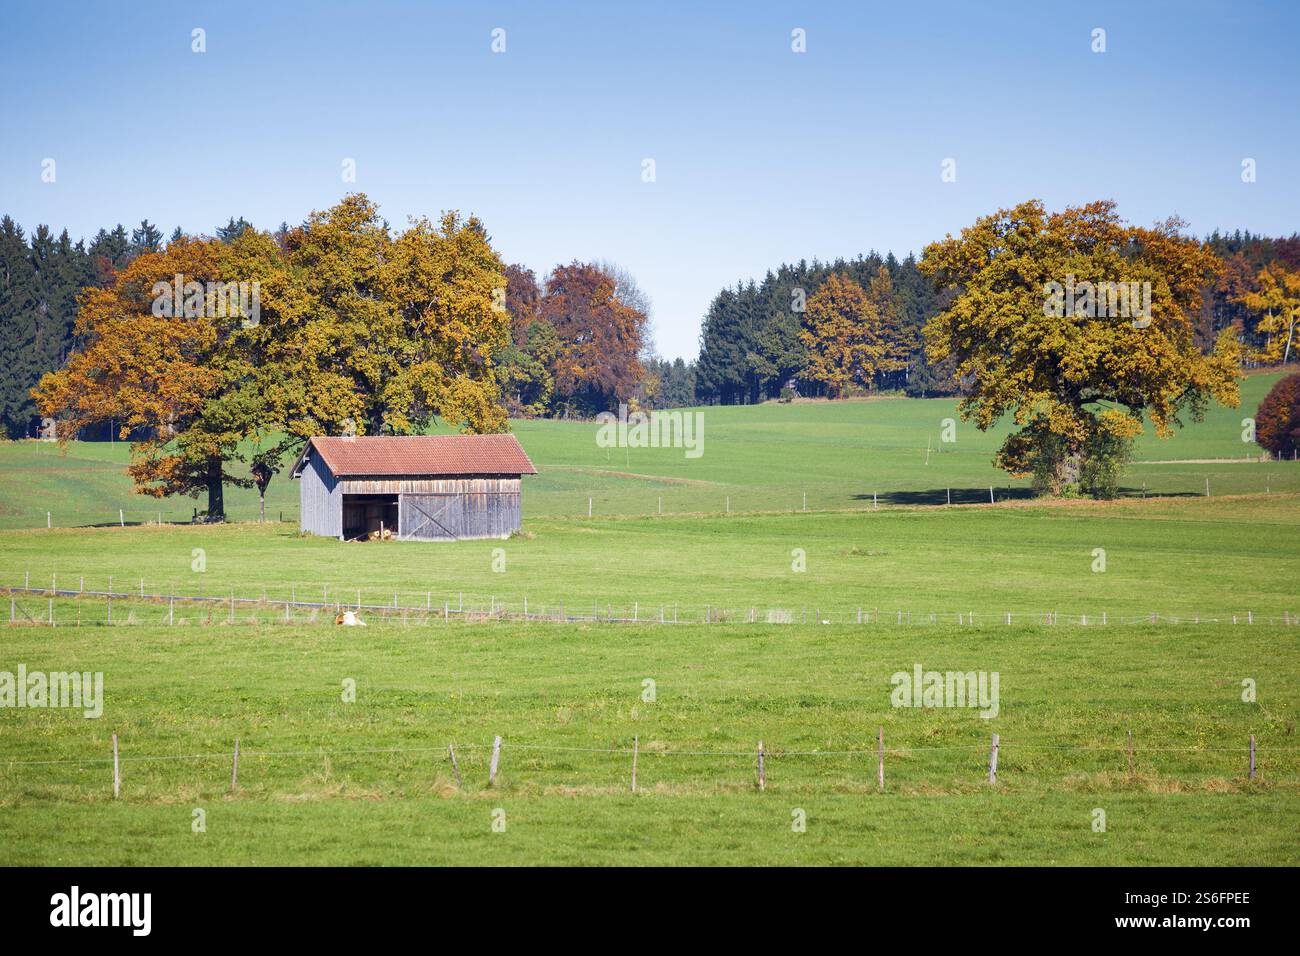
(216, 491)
(261, 506)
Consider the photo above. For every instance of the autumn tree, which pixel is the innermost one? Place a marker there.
(1277, 296)
(168, 362)
(391, 332)
(851, 335)
(1077, 376)
(601, 337)
(523, 300)
(332, 328)
(1277, 422)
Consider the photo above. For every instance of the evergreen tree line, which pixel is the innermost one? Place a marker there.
(756, 341)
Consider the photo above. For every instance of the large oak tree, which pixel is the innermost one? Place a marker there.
(1078, 383)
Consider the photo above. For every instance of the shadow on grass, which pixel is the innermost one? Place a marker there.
(960, 496)
(980, 496)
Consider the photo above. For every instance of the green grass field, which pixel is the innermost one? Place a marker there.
(322, 780)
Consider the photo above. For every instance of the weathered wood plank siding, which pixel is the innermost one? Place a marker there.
(460, 510)
(320, 499)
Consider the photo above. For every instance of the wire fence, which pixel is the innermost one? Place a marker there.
(989, 761)
(89, 607)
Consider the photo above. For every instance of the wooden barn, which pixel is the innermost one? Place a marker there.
(418, 488)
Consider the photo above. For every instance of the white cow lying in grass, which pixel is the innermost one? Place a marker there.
(349, 619)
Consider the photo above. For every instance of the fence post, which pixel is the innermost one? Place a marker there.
(1252, 756)
(588, 507)
(993, 761)
(762, 776)
(234, 767)
(455, 768)
(880, 754)
(117, 772)
(636, 741)
(121, 519)
(496, 758)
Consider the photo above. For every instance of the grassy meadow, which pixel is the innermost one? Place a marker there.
(369, 781)
(326, 781)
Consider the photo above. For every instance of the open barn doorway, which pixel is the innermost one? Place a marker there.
(369, 517)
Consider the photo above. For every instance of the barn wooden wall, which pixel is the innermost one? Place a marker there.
(320, 499)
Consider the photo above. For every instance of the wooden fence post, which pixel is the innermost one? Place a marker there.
(455, 768)
(234, 767)
(636, 741)
(880, 754)
(117, 771)
(762, 776)
(496, 757)
(993, 761)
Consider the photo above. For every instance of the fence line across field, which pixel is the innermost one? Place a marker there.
(566, 612)
(772, 504)
(763, 755)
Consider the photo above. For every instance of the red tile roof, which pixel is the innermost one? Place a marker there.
(412, 455)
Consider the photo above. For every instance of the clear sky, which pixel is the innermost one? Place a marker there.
(762, 155)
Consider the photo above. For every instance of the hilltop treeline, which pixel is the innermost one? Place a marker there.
(759, 339)
(756, 342)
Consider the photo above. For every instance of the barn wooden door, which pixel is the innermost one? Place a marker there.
(436, 517)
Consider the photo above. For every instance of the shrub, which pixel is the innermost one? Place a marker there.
(1277, 422)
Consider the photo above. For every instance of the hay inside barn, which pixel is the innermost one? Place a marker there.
(418, 487)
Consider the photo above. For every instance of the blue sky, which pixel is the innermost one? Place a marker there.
(761, 155)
